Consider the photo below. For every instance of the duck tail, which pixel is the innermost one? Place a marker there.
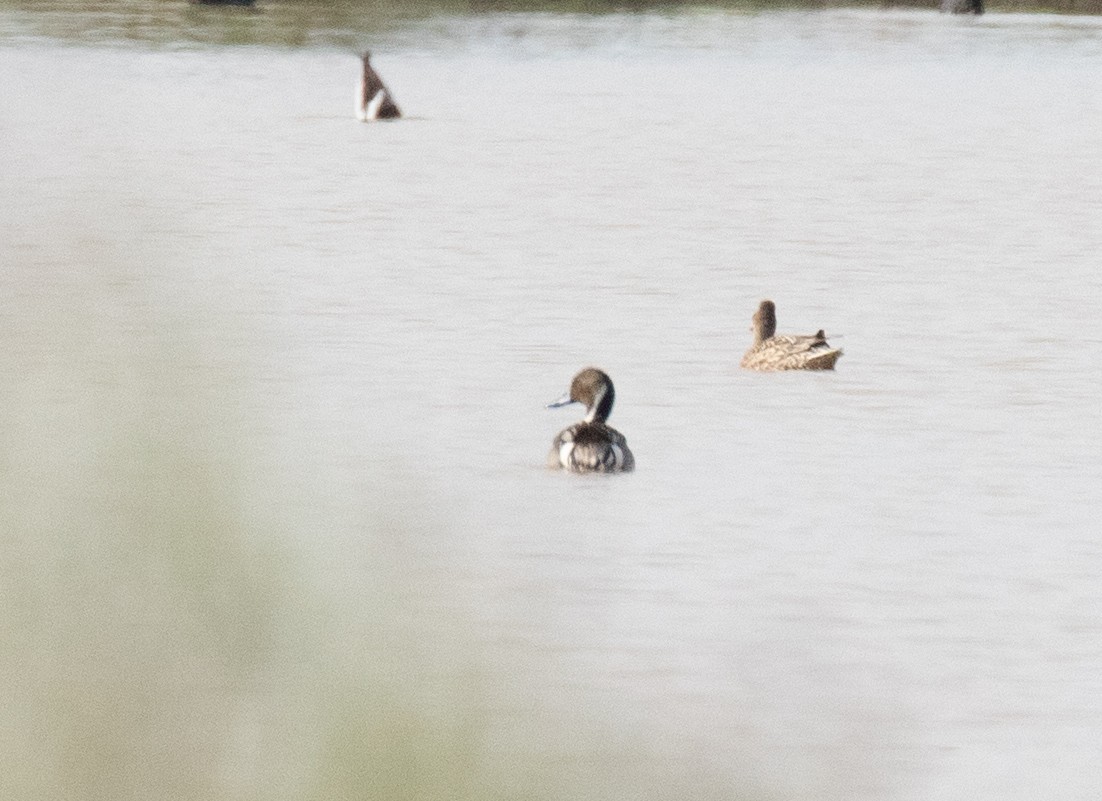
(824, 360)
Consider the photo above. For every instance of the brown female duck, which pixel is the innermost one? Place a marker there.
(771, 351)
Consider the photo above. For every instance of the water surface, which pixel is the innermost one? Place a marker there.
(276, 521)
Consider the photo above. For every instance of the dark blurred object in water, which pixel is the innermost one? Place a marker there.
(962, 7)
(374, 101)
(223, 2)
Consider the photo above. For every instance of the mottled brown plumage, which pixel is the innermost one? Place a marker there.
(771, 352)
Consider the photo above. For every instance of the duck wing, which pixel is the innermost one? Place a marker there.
(792, 352)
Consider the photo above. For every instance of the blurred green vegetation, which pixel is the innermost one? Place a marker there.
(344, 23)
(163, 637)
(193, 612)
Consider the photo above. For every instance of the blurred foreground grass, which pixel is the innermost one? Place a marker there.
(178, 624)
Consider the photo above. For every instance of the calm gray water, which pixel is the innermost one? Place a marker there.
(274, 519)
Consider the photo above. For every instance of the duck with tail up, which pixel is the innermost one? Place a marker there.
(373, 99)
(590, 446)
(773, 352)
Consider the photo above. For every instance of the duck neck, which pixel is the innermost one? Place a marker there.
(601, 407)
(765, 325)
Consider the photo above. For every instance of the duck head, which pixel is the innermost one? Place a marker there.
(593, 388)
(764, 321)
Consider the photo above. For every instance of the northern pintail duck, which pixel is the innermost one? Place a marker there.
(786, 352)
(373, 100)
(591, 446)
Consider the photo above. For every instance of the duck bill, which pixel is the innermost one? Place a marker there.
(565, 400)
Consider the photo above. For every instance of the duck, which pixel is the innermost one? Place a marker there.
(590, 446)
(771, 352)
(373, 99)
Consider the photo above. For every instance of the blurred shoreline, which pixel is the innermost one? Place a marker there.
(345, 24)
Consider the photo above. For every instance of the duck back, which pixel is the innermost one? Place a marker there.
(591, 448)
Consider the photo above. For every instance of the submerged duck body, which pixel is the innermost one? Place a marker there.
(771, 352)
(590, 446)
(373, 99)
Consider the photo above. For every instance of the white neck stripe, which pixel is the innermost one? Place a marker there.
(600, 396)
